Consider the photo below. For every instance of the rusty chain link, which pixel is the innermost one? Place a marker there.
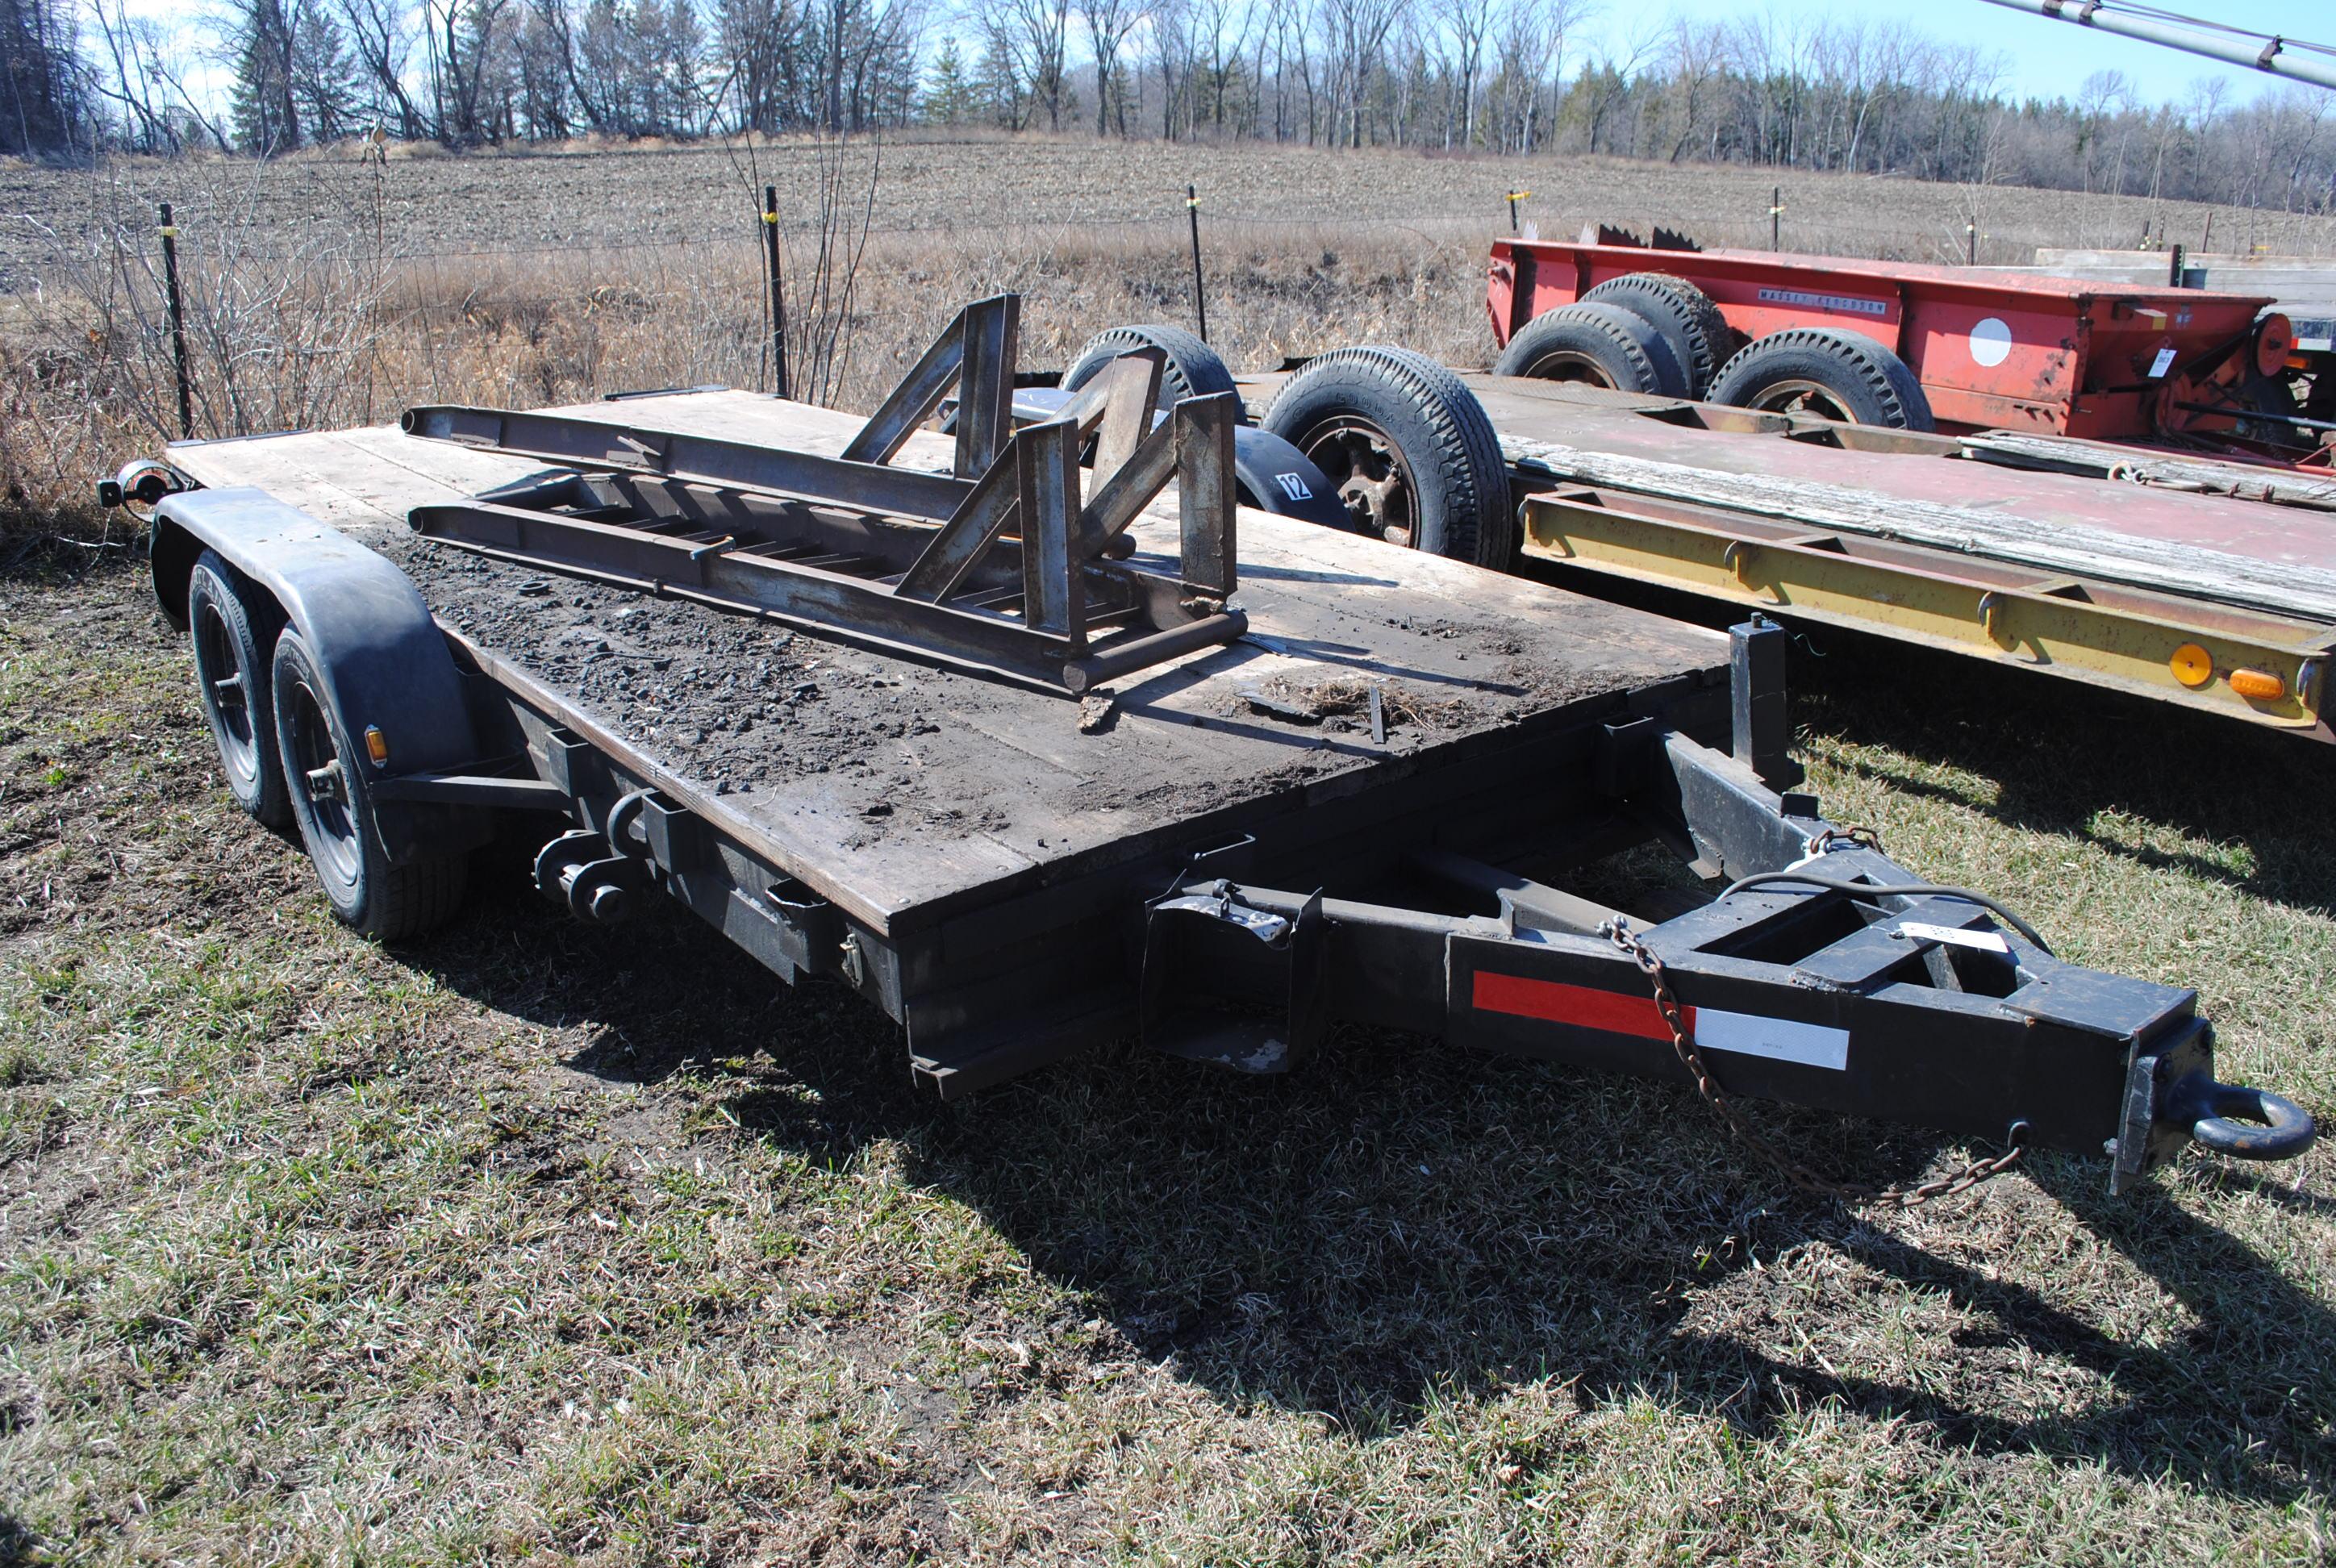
(1795, 1172)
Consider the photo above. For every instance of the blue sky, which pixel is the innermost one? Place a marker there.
(2047, 59)
(2044, 58)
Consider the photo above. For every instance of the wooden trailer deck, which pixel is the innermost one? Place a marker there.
(906, 794)
(1943, 541)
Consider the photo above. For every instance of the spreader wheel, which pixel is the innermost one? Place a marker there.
(1827, 372)
(1408, 448)
(1600, 343)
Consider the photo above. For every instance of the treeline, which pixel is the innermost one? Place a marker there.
(1503, 76)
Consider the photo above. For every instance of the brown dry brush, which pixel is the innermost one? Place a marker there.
(313, 324)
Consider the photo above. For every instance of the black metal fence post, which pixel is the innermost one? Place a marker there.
(178, 324)
(1970, 246)
(1777, 218)
(778, 292)
(1200, 296)
(1515, 197)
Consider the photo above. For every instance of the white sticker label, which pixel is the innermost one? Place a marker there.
(1294, 487)
(1990, 341)
(1955, 936)
(1779, 1039)
(2163, 363)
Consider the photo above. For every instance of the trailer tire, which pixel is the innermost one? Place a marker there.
(2272, 400)
(1597, 342)
(231, 627)
(388, 902)
(1683, 313)
(1408, 448)
(1827, 371)
(1192, 367)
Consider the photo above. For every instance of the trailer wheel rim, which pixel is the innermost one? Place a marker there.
(333, 839)
(1799, 394)
(1368, 472)
(1570, 364)
(226, 697)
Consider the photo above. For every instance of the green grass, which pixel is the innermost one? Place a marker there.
(530, 1243)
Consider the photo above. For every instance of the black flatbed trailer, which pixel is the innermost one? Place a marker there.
(1347, 787)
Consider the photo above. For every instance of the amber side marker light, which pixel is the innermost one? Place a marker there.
(2258, 685)
(376, 745)
(2192, 666)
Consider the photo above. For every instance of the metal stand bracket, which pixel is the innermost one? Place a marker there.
(1008, 568)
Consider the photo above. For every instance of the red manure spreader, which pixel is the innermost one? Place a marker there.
(1916, 347)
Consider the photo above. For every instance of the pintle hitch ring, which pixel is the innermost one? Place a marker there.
(2234, 1119)
(2172, 1099)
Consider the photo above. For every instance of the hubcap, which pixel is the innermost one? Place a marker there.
(1370, 476)
(333, 839)
(1799, 396)
(1567, 364)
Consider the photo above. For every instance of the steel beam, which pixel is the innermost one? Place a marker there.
(593, 443)
(975, 354)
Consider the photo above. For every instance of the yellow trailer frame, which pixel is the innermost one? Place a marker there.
(2266, 669)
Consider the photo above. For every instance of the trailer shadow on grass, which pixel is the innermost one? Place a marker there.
(2163, 788)
(2040, 753)
(18, 1544)
(1400, 1225)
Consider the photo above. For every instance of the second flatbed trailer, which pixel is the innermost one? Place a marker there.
(791, 670)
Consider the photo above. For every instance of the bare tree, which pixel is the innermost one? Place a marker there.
(1468, 23)
(1031, 39)
(382, 36)
(1109, 22)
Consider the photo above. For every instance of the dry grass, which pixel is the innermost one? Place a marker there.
(532, 1243)
(85, 371)
(325, 291)
(529, 1242)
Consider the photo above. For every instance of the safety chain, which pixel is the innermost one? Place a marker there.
(1796, 1174)
(1852, 838)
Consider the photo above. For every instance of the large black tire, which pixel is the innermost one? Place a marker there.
(1599, 343)
(232, 627)
(1410, 448)
(387, 902)
(1685, 315)
(1192, 368)
(1827, 371)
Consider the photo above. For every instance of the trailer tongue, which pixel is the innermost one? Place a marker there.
(1356, 795)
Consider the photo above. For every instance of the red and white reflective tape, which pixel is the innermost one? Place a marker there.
(1615, 1013)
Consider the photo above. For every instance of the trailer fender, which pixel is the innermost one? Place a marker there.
(1277, 477)
(383, 658)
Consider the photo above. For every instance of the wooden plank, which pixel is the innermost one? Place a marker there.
(2302, 285)
(2064, 547)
